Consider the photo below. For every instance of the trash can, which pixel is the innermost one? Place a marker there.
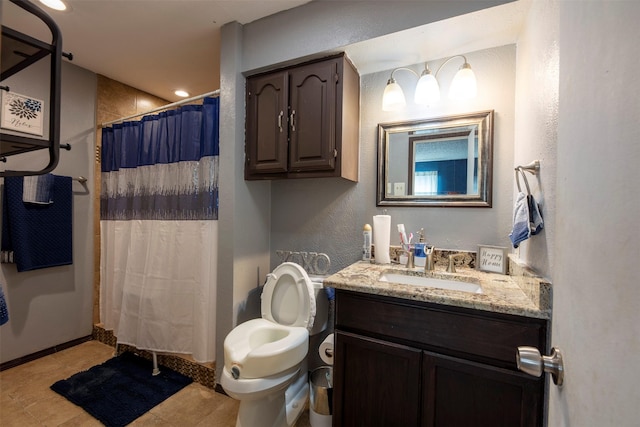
(321, 397)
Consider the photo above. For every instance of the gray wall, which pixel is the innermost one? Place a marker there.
(246, 248)
(328, 215)
(51, 306)
(537, 123)
(325, 25)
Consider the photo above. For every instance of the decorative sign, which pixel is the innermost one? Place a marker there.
(492, 259)
(21, 113)
(312, 262)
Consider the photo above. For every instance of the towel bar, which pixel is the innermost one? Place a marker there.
(532, 167)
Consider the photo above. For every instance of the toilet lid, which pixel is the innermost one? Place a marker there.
(288, 297)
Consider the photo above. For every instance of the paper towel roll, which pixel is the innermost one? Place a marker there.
(326, 350)
(382, 238)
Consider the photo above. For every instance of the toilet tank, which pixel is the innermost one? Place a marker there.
(322, 306)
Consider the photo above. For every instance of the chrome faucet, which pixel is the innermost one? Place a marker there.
(452, 265)
(429, 264)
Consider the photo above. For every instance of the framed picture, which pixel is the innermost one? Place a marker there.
(21, 113)
(492, 259)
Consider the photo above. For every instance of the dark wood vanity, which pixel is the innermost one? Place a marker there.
(406, 362)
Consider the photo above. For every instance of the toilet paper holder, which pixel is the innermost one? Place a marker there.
(326, 349)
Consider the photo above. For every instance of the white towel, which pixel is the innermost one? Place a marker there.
(38, 189)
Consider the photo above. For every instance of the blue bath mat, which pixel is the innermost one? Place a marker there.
(121, 389)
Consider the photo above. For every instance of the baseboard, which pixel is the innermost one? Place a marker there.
(42, 353)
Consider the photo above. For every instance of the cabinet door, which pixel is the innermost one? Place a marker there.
(266, 138)
(458, 393)
(376, 383)
(312, 123)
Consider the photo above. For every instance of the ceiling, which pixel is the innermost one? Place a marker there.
(156, 46)
(159, 46)
(484, 29)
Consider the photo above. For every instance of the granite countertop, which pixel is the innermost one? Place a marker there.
(521, 292)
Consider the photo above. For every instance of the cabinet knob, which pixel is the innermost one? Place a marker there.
(531, 362)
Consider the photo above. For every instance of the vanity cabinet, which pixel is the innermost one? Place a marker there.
(408, 363)
(303, 121)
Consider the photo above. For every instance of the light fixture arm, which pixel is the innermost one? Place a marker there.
(466, 64)
(392, 80)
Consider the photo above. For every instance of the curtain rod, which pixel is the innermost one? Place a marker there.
(164, 107)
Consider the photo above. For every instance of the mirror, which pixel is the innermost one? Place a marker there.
(444, 161)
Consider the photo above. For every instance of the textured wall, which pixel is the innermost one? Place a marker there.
(250, 243)
(595, 276)
(537, 124)
(327, 215)
(51, 306)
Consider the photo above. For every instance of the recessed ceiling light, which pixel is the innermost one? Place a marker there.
(54, 4)
(181, 93)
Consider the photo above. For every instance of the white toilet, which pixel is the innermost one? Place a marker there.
(265, 359)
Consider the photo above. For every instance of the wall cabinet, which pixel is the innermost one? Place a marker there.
(303, 121)
(400, 363)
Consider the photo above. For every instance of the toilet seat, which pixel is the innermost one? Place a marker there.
(280, 339)
(258, 348)
(288, 297)
(265, 363)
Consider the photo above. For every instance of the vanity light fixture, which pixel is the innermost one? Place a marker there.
(427, 91)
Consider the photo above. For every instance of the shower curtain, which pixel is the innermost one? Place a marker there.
(159, 230)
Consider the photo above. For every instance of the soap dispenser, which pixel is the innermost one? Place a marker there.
(420, 255)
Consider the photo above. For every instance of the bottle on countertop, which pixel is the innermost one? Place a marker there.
(366, 247)
(420, 255)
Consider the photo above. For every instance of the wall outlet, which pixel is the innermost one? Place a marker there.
(398, 189)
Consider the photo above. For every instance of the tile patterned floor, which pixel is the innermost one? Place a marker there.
(26, 400)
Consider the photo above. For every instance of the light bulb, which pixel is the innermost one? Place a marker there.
(54, 4)
(427, 89)
(464, 84)
(393, 97)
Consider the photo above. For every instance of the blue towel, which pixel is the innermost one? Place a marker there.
(39, 235)
(38, 189)
(536, 224)
(4, 313)
(521, 231)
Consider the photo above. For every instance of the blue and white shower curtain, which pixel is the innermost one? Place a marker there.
(159, 230)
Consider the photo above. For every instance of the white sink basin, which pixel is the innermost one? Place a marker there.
(431, 282)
